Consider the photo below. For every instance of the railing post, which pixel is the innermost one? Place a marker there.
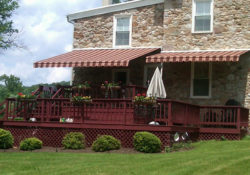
(186, 115)
(6, 110)
(133, 92)
(238, 118)
(170, 122)
(42, 112)
(124, 112)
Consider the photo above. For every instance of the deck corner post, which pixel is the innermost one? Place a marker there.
(170, 122)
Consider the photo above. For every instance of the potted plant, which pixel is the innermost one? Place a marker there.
(141, 99)
(77, 99)
(23, 97)
(85, 86)
(110, 85)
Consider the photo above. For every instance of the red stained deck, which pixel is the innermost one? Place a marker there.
(120, 118)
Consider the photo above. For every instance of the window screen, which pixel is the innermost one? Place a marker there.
(122, 31)
(202, 15)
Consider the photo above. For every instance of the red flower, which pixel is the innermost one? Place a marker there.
(138, 94)
(33, 93)
(106, 82)
(20, 93)
(77, 94)
(144, 95)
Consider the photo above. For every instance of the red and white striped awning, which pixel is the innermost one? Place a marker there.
(96, 58)
(196, 56)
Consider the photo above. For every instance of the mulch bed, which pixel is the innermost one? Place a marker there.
(61, 150)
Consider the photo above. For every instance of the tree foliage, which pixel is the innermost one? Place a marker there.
(10, 85)
(7, 7)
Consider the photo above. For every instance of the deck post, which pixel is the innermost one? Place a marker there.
(238, 118)
(170, 122)
(6, 110)
(124, 112)
(42, 116)
(186, 115)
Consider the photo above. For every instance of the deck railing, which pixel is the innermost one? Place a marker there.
(123, 111)
(223, 116)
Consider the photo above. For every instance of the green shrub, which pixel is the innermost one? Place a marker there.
(74, 140)
(6, 139)
(147, 142)
(178, 146)
(30, 144)
(106, 143)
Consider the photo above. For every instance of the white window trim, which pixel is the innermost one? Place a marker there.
(192, 84)
(146, 66)
(114, 29)
(193, 17)
(120, 70)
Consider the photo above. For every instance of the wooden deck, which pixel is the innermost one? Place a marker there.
(120, 118)
(123, 111)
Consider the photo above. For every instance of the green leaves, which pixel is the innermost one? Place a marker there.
(7, 7)
(9, 86)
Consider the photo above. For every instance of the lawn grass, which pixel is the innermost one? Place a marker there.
(207, 158)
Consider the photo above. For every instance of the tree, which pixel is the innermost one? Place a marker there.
(7, 39)
(10, 86)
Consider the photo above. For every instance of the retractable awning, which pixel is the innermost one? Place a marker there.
(196, 56)
(97, 58)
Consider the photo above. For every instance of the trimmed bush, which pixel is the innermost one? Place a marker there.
(147, 142)
(6, 139)
(74, 140)
(106, 143)
(30, 144)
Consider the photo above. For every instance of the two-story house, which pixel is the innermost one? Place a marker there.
(203, 47)
(202, 43)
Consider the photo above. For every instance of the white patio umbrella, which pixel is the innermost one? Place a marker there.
(156, 87)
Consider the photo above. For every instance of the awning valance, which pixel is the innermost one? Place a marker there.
(96, 58)
(196, 56)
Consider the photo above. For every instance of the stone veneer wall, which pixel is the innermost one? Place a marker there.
(231, 26)
(230, 80)
(97, 31)
(170, 26)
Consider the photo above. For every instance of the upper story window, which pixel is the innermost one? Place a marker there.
(202, 16)
(122, 31)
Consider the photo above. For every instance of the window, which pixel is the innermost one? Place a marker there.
(202, 16)
(122, 31)
(201, 80)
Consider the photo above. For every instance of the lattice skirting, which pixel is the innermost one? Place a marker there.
(53, 136)
(217, 136)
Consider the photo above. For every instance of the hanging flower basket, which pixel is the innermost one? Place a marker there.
(84, 86)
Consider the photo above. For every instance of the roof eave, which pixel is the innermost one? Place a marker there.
(111, 9)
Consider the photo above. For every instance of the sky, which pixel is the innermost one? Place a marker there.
(44, 32)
